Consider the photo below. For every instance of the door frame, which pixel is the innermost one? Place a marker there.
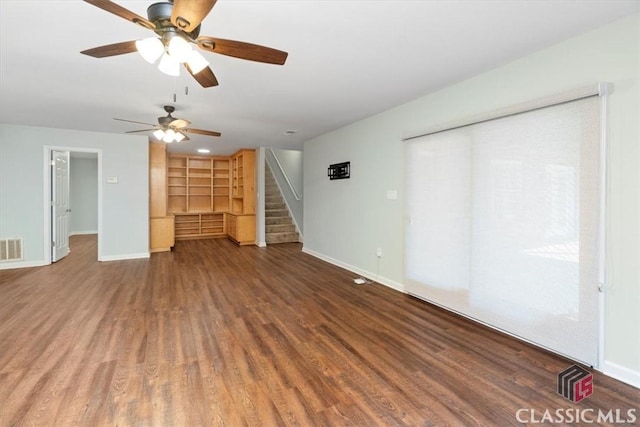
(47, 150)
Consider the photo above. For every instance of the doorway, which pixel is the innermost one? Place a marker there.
(63, 192)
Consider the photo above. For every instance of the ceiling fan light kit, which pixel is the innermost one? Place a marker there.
(169, 65)
(172, 53)
(177, 25)
(171, 135)
(196, 61)
(178, 48)
(150, 49)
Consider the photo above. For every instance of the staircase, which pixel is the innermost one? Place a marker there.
(279, 225)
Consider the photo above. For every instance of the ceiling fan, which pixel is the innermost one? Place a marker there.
(177, 26)
(170, 129)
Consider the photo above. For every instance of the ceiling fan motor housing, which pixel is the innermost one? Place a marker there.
(160, 15)
(165, 121)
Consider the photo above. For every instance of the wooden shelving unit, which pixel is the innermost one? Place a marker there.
(220, 184)
(243, 182)
(212, 224)
(206, 192)
(198, 184)
(176, 184)
(241, 218)
(161, 225)
(199, 225)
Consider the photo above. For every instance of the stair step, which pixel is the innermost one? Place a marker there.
(282, 238)
(281, 228)
(275, 206)
(277, 220)
(276, 212)
(273, 199)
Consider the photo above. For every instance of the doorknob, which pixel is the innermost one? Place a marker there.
(68, 210)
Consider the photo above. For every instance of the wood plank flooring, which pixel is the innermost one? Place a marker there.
(216, 334)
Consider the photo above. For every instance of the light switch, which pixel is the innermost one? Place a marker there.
(112, 180)
(392, 194)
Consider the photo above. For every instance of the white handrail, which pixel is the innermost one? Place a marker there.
(284, 173)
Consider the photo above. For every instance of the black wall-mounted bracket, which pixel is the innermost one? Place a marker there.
(339, 170)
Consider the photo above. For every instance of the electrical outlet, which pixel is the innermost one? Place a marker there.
(379, 252)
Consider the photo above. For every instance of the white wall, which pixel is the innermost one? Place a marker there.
(346, 220)
(125, 206)
(83, 195)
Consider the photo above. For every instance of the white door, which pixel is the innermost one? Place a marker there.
(59, 204)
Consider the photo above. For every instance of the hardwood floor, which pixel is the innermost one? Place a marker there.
(216, 334)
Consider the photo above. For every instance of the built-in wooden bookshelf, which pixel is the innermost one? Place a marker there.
(220, 184)
(243, 182)
(199, 225)
(241, 219)
(161, 225)
(176, 184)
(201, 190)
(198, 184)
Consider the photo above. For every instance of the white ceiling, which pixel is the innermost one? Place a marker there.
(347, 60)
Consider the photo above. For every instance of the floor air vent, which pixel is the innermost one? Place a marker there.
(11, 249)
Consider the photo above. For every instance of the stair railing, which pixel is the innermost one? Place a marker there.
(284, 173)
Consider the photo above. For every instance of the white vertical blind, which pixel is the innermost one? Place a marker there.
(504, 220)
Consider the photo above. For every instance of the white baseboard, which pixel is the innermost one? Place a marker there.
(621, 373)
(360, 272)
(21, 264)
(261, 244)
(79, 233)
(125, 257)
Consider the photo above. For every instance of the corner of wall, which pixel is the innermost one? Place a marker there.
(621, 373)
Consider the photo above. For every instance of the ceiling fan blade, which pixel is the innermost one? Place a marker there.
(204, 77)
(187, 14)
(111, 49)
(186, 138)
(122, 12)
(242, 50)
(201, 132)
(133, 121)
(180, 123)
(141, 130)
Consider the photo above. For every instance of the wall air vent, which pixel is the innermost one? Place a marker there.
(11, 249)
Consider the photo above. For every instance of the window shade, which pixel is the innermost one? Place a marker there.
(503, 224)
